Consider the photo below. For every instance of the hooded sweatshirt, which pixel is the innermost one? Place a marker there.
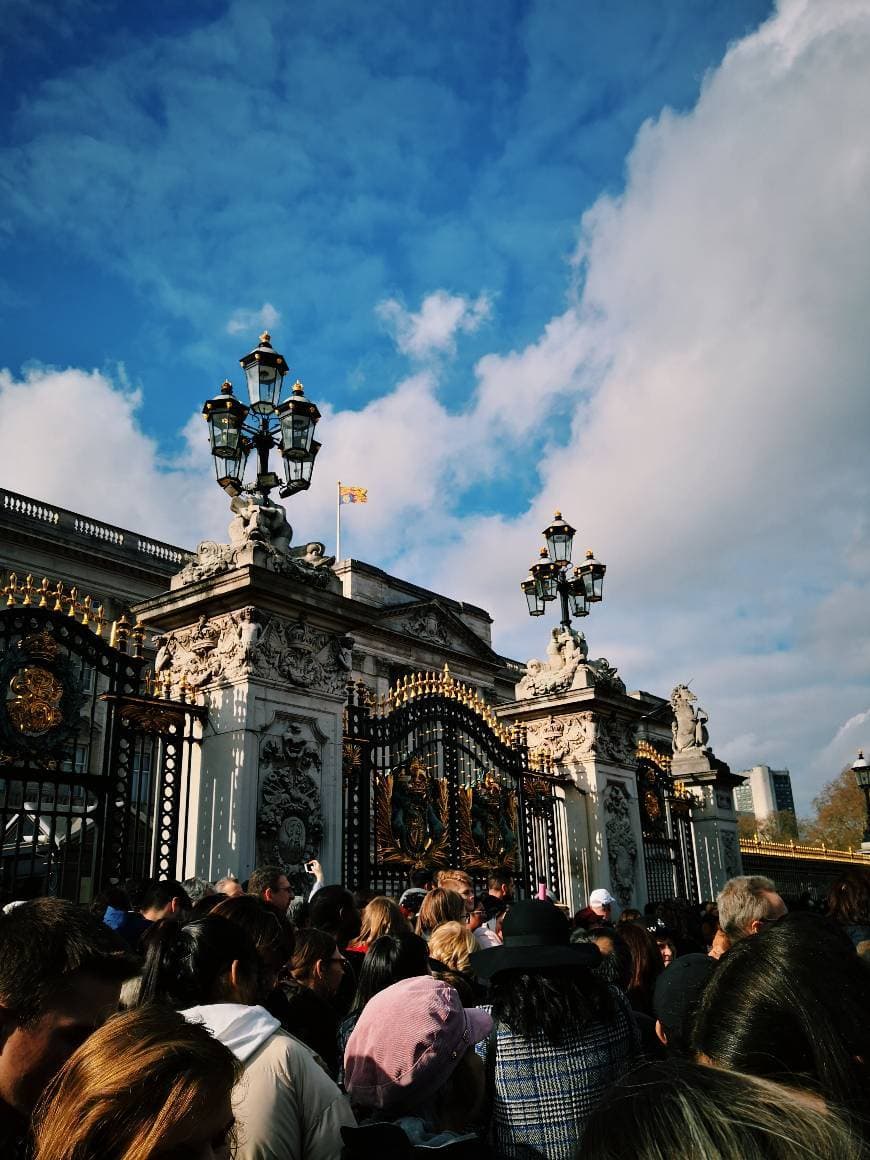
(286, 1106)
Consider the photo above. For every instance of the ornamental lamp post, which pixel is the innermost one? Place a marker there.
(551, 576)
(236, 428)
(861, 770)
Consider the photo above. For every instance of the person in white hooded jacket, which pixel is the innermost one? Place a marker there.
(286, 1105)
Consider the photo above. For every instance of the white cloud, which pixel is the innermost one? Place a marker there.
(74, 439)
(700, 411)
(242, 321)
(433, 329)
(715, 368)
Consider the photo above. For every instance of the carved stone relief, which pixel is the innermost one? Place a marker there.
(616, 741)
(730, 853)
(259, 534)
(289, 815)
(621, 842)
(426, 624)
(568, 738)
(245, 644)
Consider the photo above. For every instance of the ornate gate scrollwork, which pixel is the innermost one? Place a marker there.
(411, 824)
(431, 778)
(665, 812)
(92, 770)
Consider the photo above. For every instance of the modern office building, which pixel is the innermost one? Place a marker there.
(765, 791)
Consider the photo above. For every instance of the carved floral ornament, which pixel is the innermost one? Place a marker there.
(621, 842)
(582, 736)
(561, 739)
(247, 644)
(289, 816)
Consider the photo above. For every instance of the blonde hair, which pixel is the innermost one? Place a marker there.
(452, 944)
(132, 1084)
(381, 916)
(446, 879)
(437, 907)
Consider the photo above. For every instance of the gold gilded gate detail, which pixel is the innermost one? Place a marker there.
(33, 706)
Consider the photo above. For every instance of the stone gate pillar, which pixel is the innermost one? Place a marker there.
(260, 638)
(583, 725)
(714, 819)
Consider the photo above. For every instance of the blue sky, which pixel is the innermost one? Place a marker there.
(605, 256)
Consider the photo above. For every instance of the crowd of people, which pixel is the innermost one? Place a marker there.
(204, 1020)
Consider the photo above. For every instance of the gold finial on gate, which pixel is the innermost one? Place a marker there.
(138, 638)
(28, 590)
(86, 610)
(44, 592)
(73, 601)
(99, 621)
(122, 632)
(10, 588)
(59, 596)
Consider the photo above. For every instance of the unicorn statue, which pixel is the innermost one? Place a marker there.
(689, 727)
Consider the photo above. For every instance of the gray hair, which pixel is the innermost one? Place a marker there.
(197, 888)
(741, 901)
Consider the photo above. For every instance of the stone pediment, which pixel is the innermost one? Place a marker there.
(431, 623)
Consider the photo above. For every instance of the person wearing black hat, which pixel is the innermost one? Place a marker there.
(561, 1034)
(675, 999)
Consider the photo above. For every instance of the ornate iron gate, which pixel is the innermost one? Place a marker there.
(91, 766)
(665, 813)
(432, 779)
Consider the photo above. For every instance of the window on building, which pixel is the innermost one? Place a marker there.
(80, 760)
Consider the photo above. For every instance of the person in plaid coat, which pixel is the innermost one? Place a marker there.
(561, 1035)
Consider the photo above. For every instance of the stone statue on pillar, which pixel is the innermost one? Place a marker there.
(567, 667)
(259, 534)
(689, 727)
(714, 819)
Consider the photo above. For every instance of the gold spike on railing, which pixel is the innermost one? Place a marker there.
(122, 632)
(9, 588)
(47, 594)
(138, 638)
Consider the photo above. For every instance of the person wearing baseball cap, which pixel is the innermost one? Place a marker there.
(411, 1068)
(598, 910)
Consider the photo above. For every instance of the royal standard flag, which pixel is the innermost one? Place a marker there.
(353, 494)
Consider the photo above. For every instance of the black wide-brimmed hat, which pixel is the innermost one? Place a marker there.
(535, 937)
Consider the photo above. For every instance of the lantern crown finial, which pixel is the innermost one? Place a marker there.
(543, 553)
(266, 338)
(557, 515)
(298, 388)
(226, 387)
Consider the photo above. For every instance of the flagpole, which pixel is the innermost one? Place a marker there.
(338, 522)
